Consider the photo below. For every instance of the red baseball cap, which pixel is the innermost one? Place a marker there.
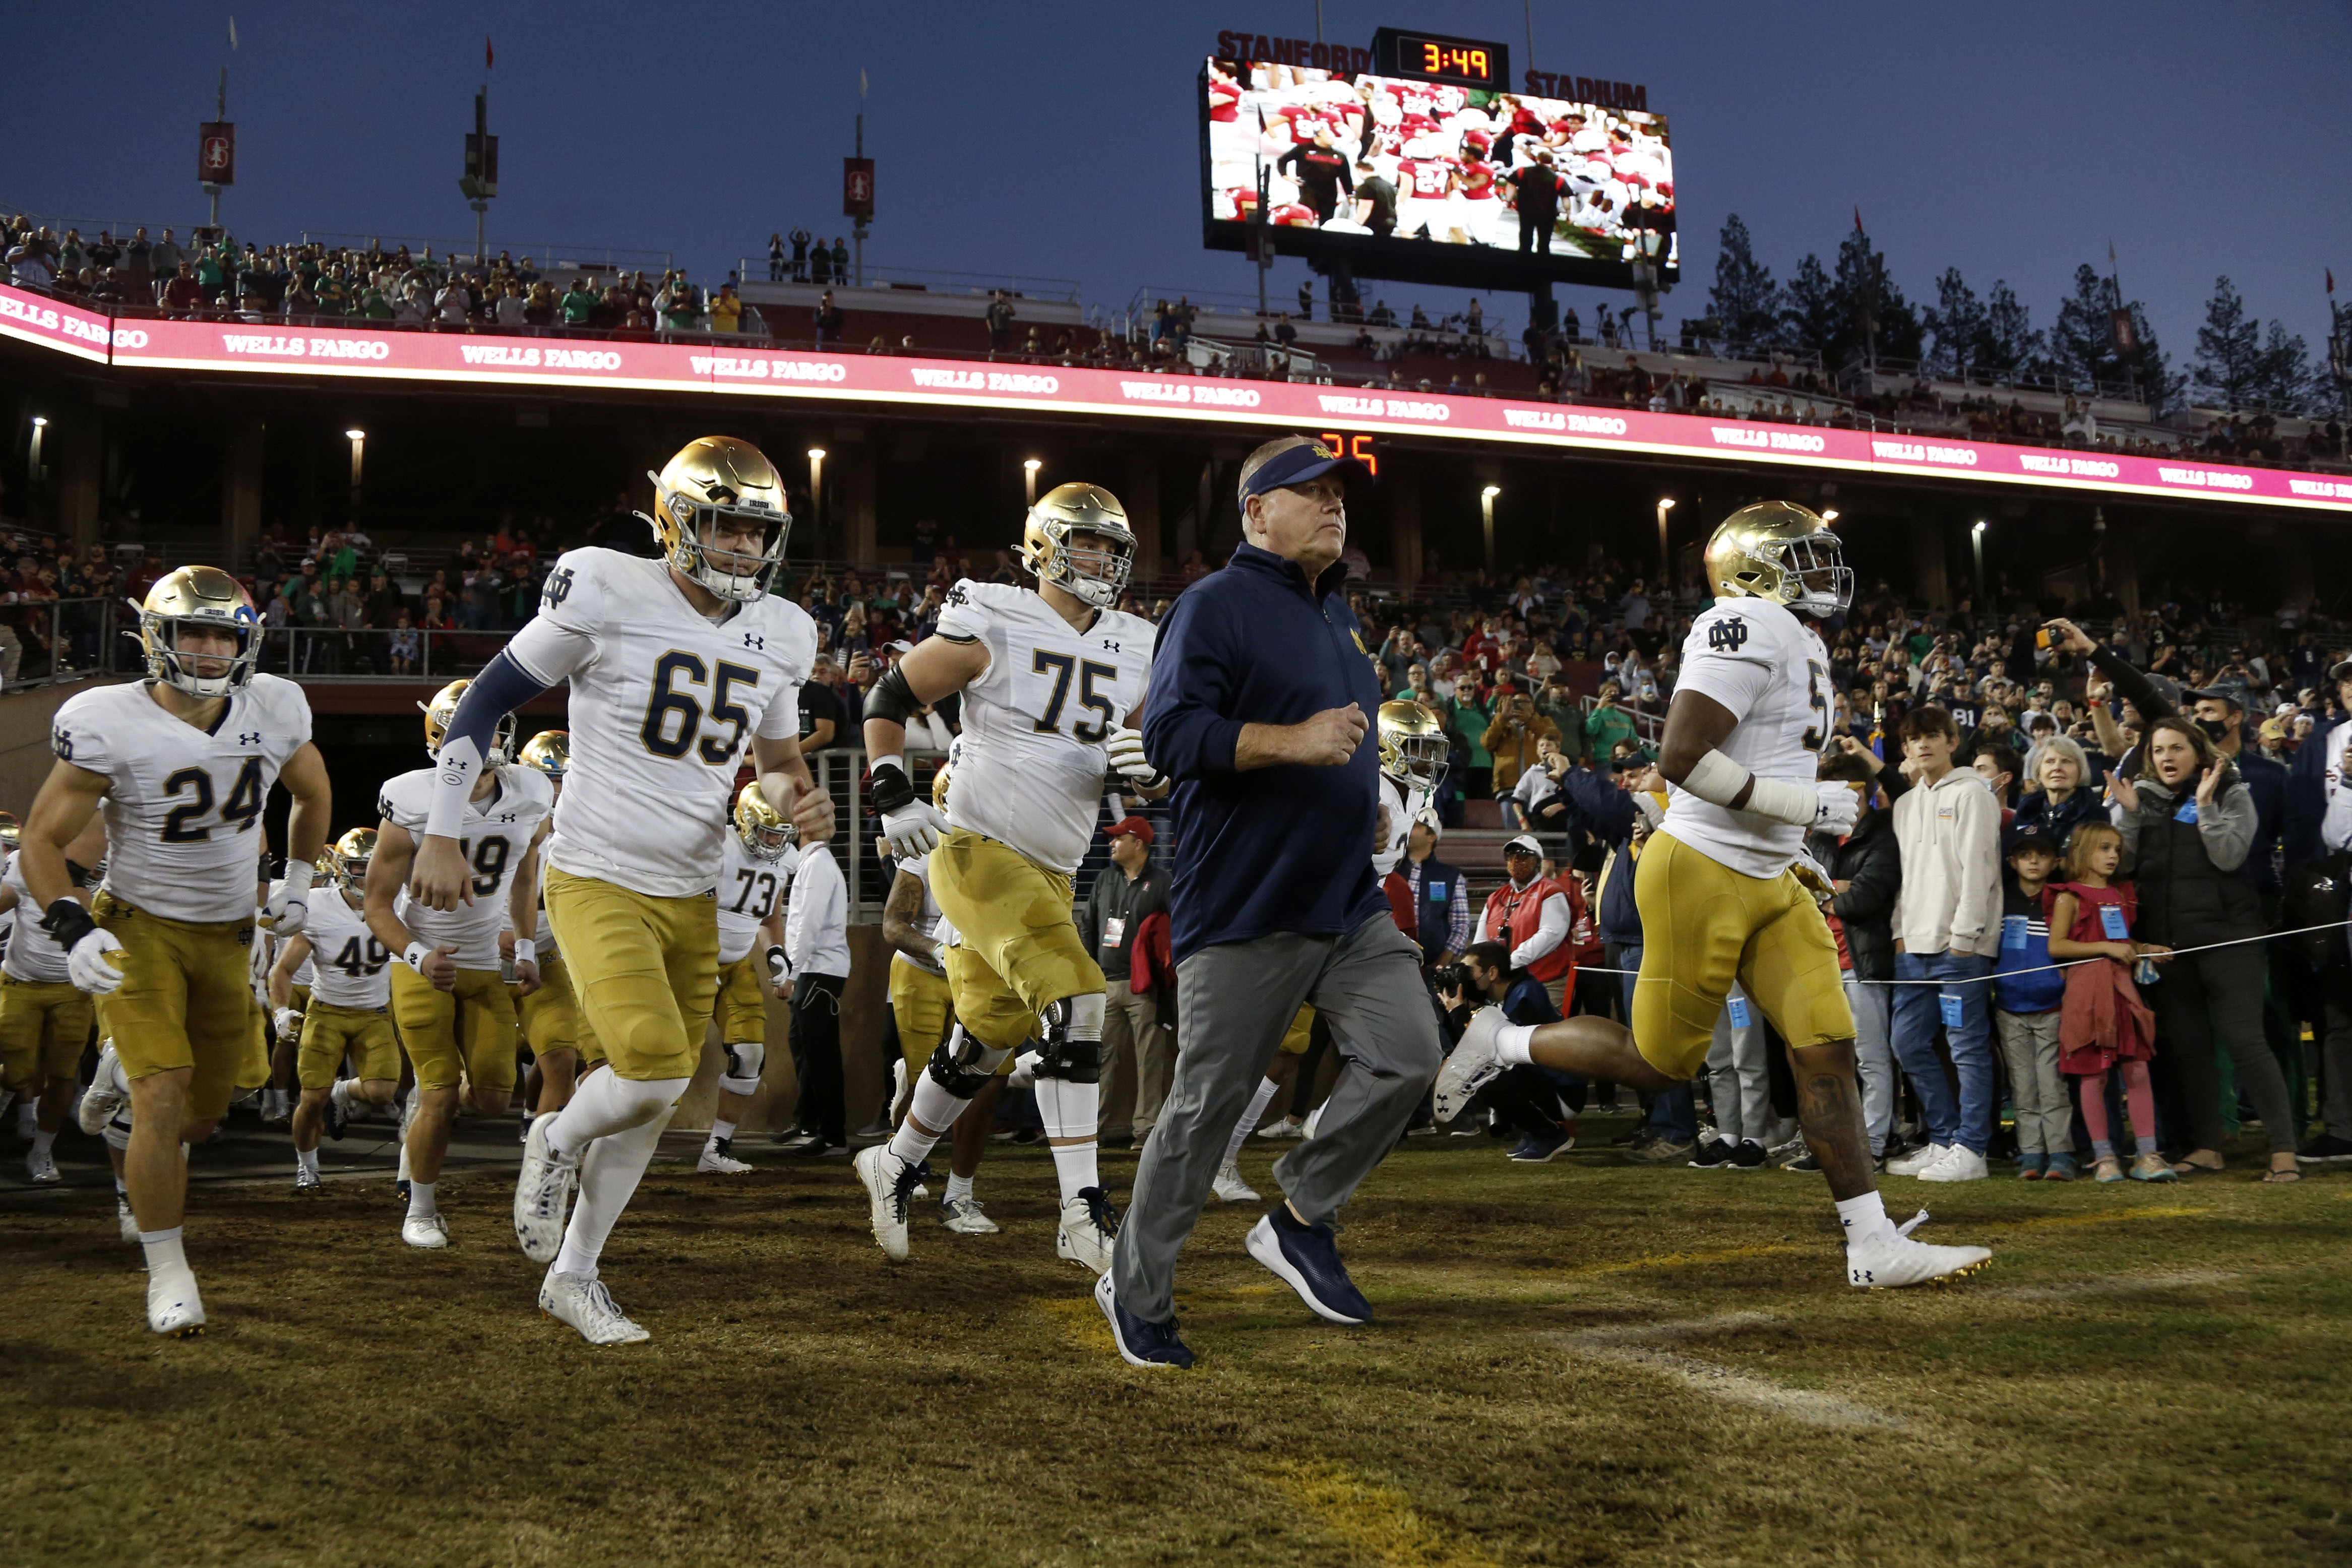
(1136, 825)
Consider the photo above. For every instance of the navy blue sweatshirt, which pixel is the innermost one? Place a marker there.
(1286, 848)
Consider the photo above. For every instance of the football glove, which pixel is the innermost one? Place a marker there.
(88, 965)
(1841, 808)
(1813, 876)
(289, 911)
(1124, 748)
(288, 1022)
(911, 825)
(780, 967)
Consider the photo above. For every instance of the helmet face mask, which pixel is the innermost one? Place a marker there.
(716, 486)
(1783, 552)
(443, 709)
(1414, 750)
(766, 832)
(1070, 523)
(206, 599)
(347, 859)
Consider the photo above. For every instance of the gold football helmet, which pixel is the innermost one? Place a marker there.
(1412, 744)
(765, 832)
(549, 751)
(443, 709)
(347, 859)
(1783, 552)
(198, 596)
(1063, 517)
(10, 831)
(710, 478)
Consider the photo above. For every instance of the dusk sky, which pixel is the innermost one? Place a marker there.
(2013, 141)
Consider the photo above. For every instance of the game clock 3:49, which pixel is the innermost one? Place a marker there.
(1429, 57)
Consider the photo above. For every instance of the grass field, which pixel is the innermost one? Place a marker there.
(1582, 1363)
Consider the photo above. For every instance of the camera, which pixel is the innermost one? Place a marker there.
(1451, 977)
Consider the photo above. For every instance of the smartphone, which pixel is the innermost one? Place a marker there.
(2041, 639)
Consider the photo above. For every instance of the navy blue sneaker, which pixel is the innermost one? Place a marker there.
(1140, 1344)
(1306, 1257)
(1543, 1150)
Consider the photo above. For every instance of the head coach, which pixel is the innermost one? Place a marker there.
(1262, 694)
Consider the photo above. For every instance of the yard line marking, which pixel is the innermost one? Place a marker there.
(2103, 1217)
(1378, 1524)
(1614, 1343)
(1081, 1321)
(2069, 1290)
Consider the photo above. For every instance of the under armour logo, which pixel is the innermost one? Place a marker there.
(1109, 646)
(754, 640)
(1728, 635)
(253, 740)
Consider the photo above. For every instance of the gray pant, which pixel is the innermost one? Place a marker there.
(1740, 1084)
(1131, 1033)
(1234, 1002)
(2045, 1114)
(1873, 1054)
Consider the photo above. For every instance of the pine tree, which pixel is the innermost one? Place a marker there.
(1810, 315)
(1876, 314)
(1745, 300)
(2229, 346)
(1960, 325)
(2012, 343)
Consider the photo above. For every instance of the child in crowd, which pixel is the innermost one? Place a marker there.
(2105, 1024)
(404, 646)
(2028, 994)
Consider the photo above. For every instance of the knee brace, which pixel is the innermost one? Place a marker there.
(963, 1066)
(1073, 1045)
(744, 1061)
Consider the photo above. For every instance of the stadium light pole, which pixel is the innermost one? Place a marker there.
(1486, 514)
(1975, 543)
(1029, 480)
(358, 438)
(816, 489)
(1666, 556)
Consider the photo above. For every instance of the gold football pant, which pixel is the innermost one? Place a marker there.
(1301, 1031)
(1018, 951)
(644, 970)
(550, 1016)
(1705, 926)
(43, 1027)
(743, 1000)
(468, 1028)
(184, 1002)
(924, 1006)
(332, 1032)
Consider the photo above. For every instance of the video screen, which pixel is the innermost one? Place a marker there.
(1575, 191)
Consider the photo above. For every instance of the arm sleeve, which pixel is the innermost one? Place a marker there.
(1551, 930)
(2227, 830)
(1185, 729)
(503, 687)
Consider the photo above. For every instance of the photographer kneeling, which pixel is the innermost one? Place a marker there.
(1525, 1097)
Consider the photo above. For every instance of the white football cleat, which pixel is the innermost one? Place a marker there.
(587, 1306)
(1230, 1186)
(1281, 1128)
(1893, 1260)
(542, 1194)
(965, 1217)
(1919, 1159)
(1471, 1068)
(125, 1222)
(1963, 1164)
(427, 1230)
(305, 1180)
(1089, 1227)
(107, 1092)
(173, 1305)
(890, 1181)
(719, 1158)
(40, 1165)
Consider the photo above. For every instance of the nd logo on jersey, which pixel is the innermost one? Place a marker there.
(1728, 635)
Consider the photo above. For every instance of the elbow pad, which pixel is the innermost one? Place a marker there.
(892, 698)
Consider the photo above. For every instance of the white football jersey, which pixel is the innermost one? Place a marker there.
(1771, 670)
(664, 706)
(33, 955)
(748, 886)
(1030, 771)
(1405, 804)
(930, 921)
(497, 833)
(183, 804)
(348, 963)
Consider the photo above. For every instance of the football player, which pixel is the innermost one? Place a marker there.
(456, 1015)
(45, 1018)
(1412, 763)
(1725, 890)
(545, 1006)
(348, 1012)
(922, 1004)
(676, 665)
(181, 762)
(278, 1096)
(751, 962)
(1052, 678)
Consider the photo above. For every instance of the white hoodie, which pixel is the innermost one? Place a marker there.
(1949, 834)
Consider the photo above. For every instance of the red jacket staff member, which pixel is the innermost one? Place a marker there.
(1535, 914)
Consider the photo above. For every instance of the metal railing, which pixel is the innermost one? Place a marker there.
(44, 641)
(924, 279)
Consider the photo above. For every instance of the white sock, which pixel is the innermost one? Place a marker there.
(1069, 1110)
(339, 1096)
(1865, 1218)
(420, 1200)
(43, 1142)
(122, 1189)
(608, 1103)
(957, 1188)
(1512, 1042)
(163, 1249)
(932, 1105)
(1267, 1090)
(609, 1174)
(307, 1160)
(721, 1131)
(25, 1112)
